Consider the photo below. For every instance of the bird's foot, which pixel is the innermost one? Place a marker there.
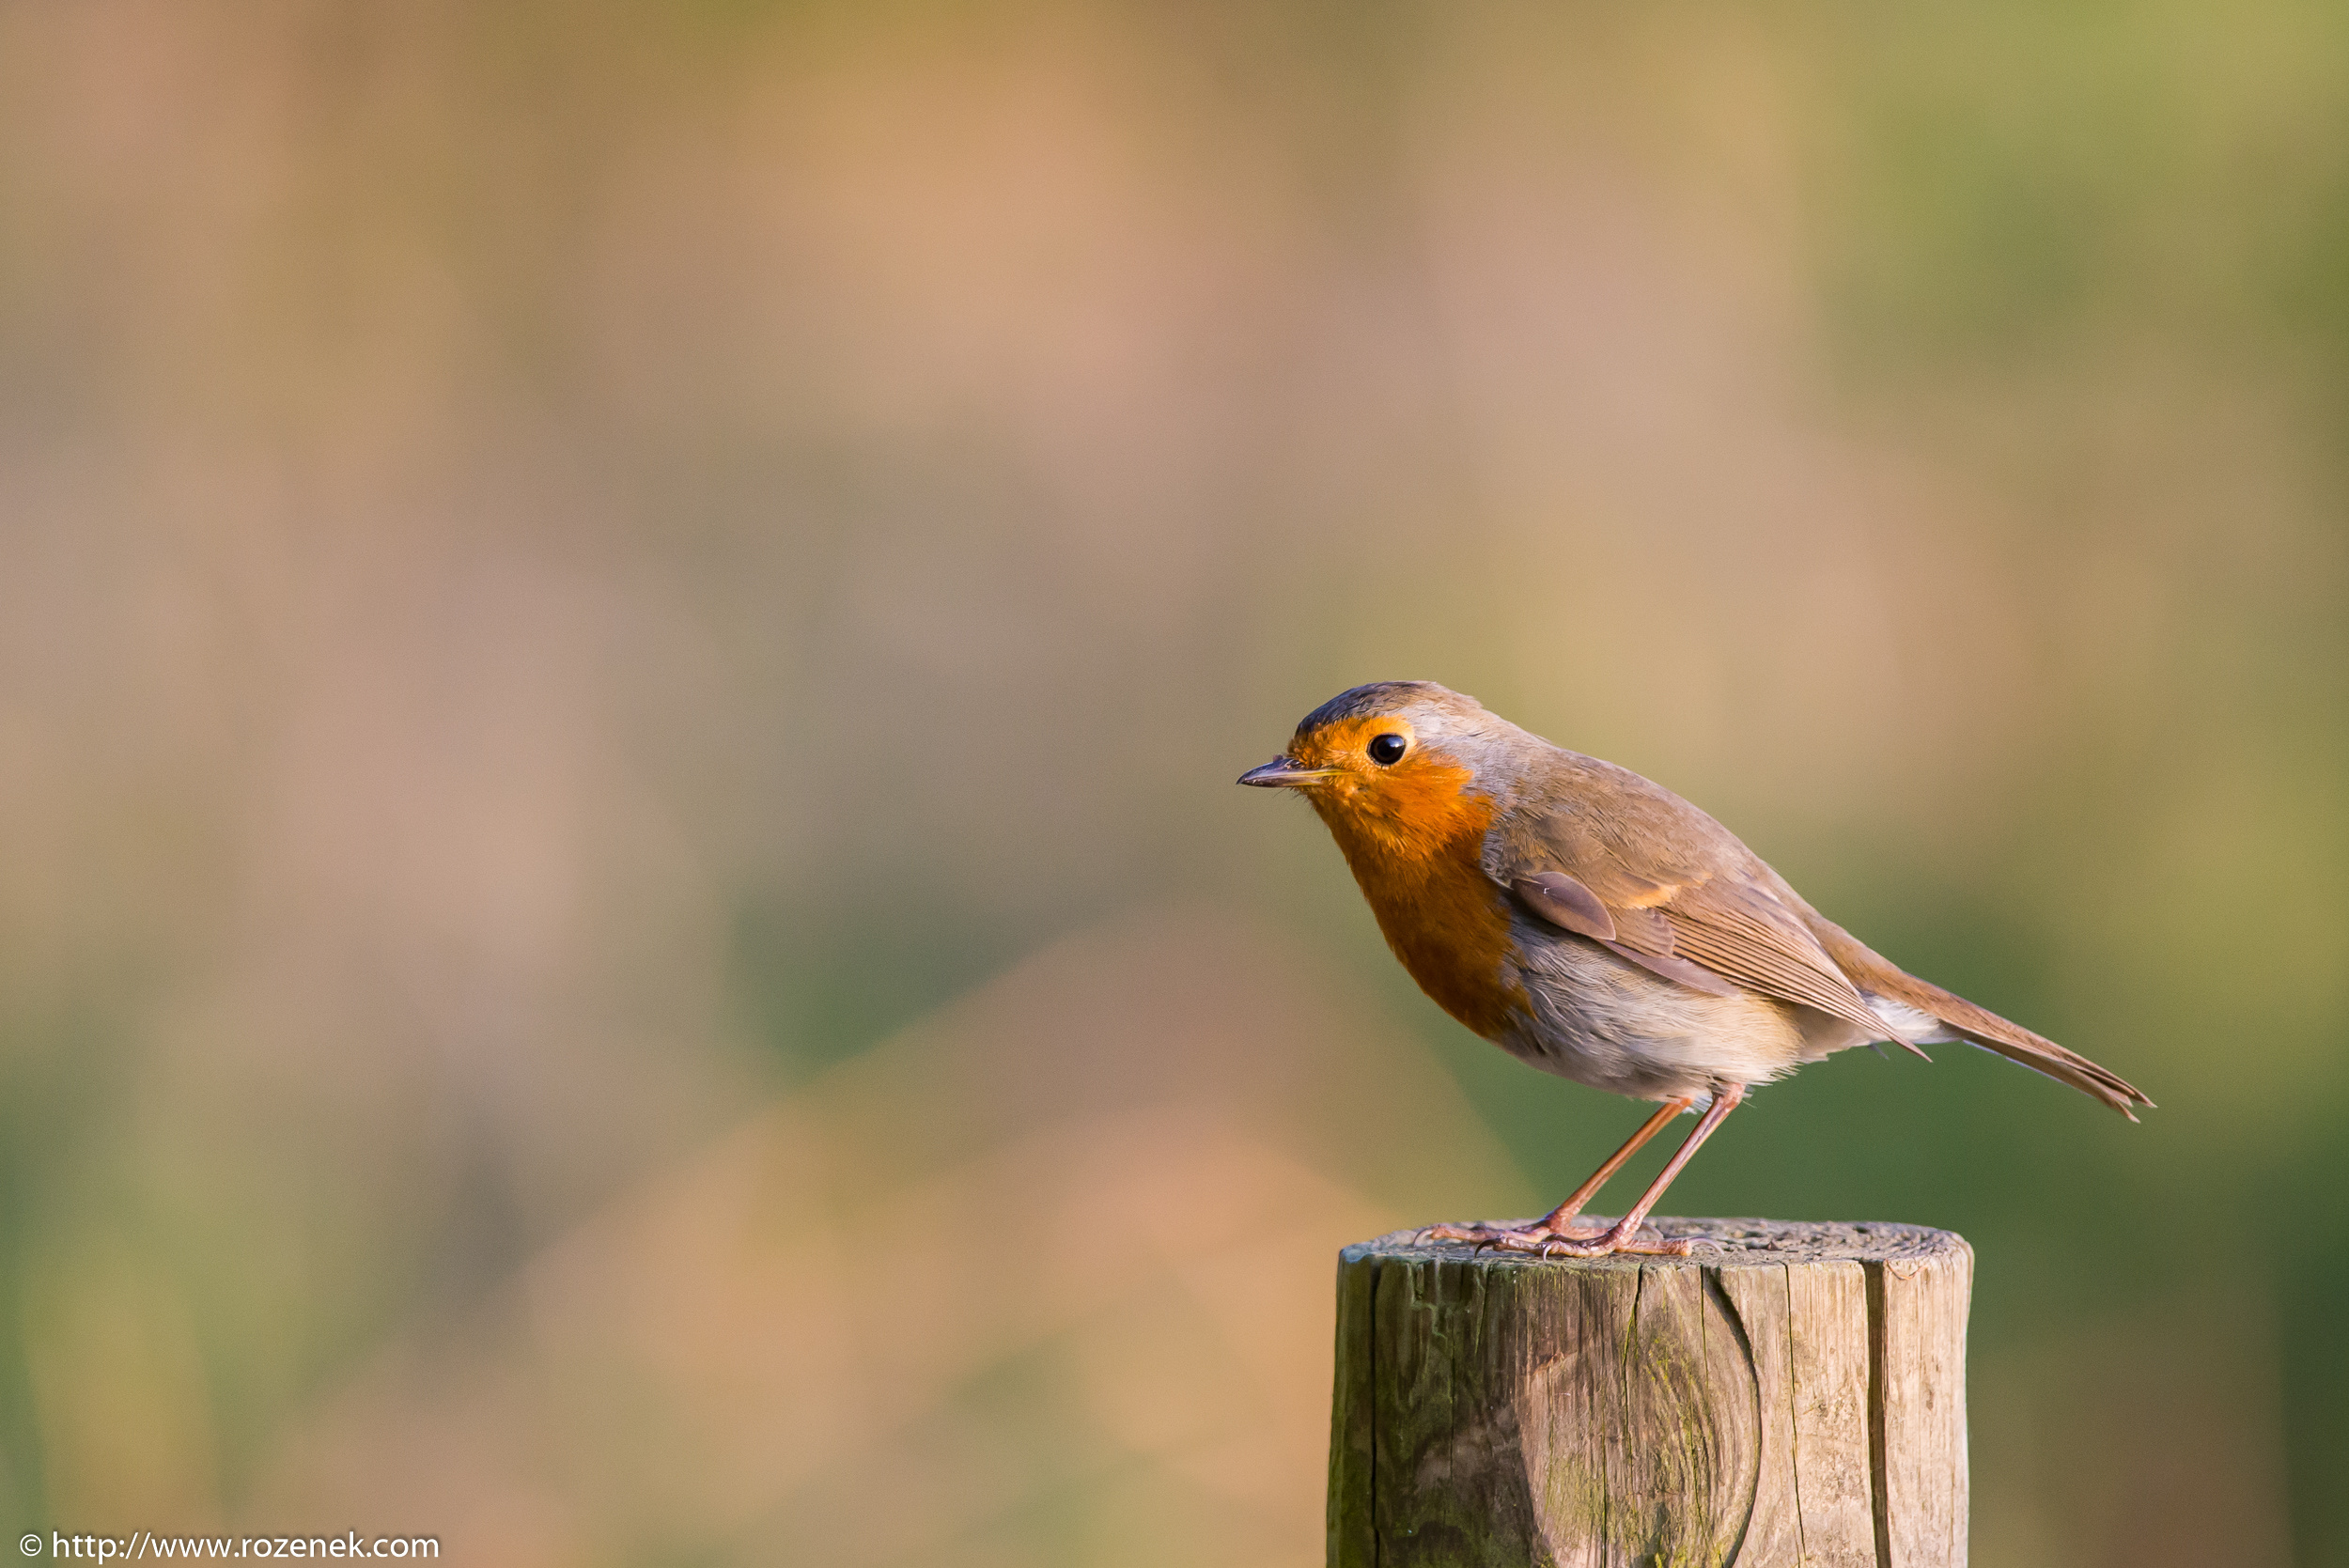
(1484, 1234)
(1542, 1241)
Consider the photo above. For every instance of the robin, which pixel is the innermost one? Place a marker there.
(1597, 925)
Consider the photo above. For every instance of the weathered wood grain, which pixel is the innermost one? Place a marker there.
(1793, 1395)
(1757, 1293)
(1830, 1352)
(1918, 1308)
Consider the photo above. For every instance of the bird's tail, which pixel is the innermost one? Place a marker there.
(1872, 971)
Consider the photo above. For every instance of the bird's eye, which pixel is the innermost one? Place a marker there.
(1387, 750)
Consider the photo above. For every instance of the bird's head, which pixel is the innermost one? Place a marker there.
(1394, 765)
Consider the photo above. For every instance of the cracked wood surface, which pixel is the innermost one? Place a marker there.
(1795, 1394)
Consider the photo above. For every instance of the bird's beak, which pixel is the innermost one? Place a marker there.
(1281, 771)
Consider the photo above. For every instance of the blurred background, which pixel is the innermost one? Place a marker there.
(625, 936)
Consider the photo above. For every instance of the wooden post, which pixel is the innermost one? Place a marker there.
(1795, 1394)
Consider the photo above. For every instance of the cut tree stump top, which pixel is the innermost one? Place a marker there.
(1792, 1394)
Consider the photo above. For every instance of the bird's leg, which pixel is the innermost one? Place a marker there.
(1558, 1218)
(1556, 1223)
(1623, 1236)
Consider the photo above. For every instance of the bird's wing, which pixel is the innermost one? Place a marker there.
(1632, 867)
(1737, 929)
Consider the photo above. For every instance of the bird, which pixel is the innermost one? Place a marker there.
(1597, 925)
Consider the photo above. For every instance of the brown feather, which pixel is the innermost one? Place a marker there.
(1678, 888)
(1645, 938)
(1746, 936)
(1691, 975)
(1644, 930)
(1980, 1025)
(1566, 904)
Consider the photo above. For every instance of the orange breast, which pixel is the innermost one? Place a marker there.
(1416, 846)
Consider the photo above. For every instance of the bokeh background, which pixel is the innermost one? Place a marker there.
(624, 629)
